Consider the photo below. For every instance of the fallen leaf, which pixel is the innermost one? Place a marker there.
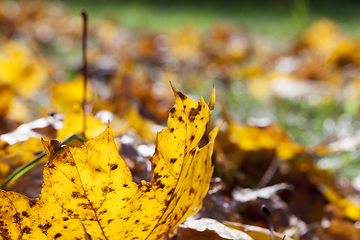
(144, 127)
(346, 206)
(208, 229)
(70, 94)
(21, 69)
(336, 224)
(255, 232)
(6, 96)
(272, 136)
(93, 183)
(74, 124)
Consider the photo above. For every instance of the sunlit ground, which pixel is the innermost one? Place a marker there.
(279, 23)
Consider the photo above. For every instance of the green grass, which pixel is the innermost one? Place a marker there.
(282, 18)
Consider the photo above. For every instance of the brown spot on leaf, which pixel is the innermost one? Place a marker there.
(17, 217)
(173, 160)
(65, 218)
(181, 119)
(114, 166)
(51, 165)
(192, 138)
(58, 235)
(56, 145)
(44, 227)
(194, 112)
(170, 192)
(156, 176)
(107, 189)
(85, 206)
(181, 95)
(26, 230)
(70, 212)
(159, 184)
(172, 130)
(192, 190)
(32, 203)
(172, 110)
(76, 195)
(25, 214)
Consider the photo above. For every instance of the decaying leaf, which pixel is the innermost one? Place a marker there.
(206, 228)
(93, 183)
(349, 209)
(255, 232)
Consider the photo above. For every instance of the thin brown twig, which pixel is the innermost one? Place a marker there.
(85, 74)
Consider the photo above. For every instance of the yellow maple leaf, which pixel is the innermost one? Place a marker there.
(93, 183)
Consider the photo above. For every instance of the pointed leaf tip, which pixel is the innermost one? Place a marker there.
(177, 93)
(212, 100)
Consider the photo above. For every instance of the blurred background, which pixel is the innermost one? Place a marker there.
(290, 62)
(293, 62)
(287, 80)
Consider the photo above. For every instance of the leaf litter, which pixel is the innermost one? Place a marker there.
(254, 164)
(180, 178)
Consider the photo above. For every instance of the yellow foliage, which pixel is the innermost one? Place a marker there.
(21, 69)
(70, 94)
(350, 210)
(74, 124)
(329, 42)
(250, 138)
(93, 183)
(19, 111)
(144, 127)
(256, 232)
(6, 96)
(13, 156)
(186, 43)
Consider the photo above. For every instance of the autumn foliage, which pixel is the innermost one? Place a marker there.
(153, 167)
